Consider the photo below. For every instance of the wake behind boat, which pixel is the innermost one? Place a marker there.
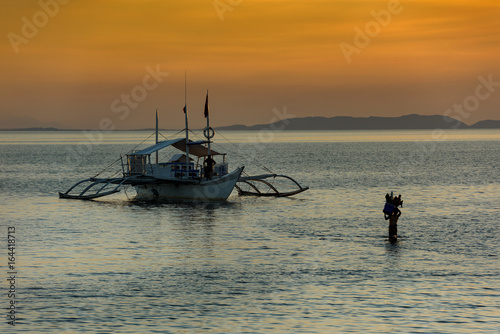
(197, 172)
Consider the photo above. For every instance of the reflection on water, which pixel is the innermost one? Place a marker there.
(319, 262)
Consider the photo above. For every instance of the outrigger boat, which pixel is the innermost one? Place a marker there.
(179, 178)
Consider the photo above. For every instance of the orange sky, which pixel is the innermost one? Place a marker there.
(256, 56)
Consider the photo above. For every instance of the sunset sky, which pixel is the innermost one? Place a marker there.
(86, 56)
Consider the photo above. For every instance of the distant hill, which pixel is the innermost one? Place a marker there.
(367, 123)
(488, 124)
(15, 122)
(406, 122)
(34, 129)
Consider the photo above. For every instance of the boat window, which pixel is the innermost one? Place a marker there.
(137, 164)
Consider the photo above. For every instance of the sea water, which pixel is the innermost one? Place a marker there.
(317, 262)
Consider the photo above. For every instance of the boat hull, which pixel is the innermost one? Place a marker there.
(206, 190)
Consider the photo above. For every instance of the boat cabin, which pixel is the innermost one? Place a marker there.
(177, 167)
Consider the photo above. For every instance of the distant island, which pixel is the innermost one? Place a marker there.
(35, 129)
(407, 122)
(490, 124)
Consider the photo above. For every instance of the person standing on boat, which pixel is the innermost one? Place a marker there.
(209, 167)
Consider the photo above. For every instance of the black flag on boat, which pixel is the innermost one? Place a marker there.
(206, 106)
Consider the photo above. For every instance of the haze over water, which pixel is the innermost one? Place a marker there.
(318, 262)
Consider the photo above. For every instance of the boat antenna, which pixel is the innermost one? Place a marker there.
(157, 134)
(186, 120)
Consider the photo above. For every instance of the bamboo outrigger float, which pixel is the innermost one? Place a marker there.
(272, 190)
(94, 182)
(180, 177)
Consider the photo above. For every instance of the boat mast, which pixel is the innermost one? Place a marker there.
(208, 123)
(186, 120)
(157, 134)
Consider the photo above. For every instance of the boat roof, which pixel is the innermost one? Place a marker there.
(195, 148)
